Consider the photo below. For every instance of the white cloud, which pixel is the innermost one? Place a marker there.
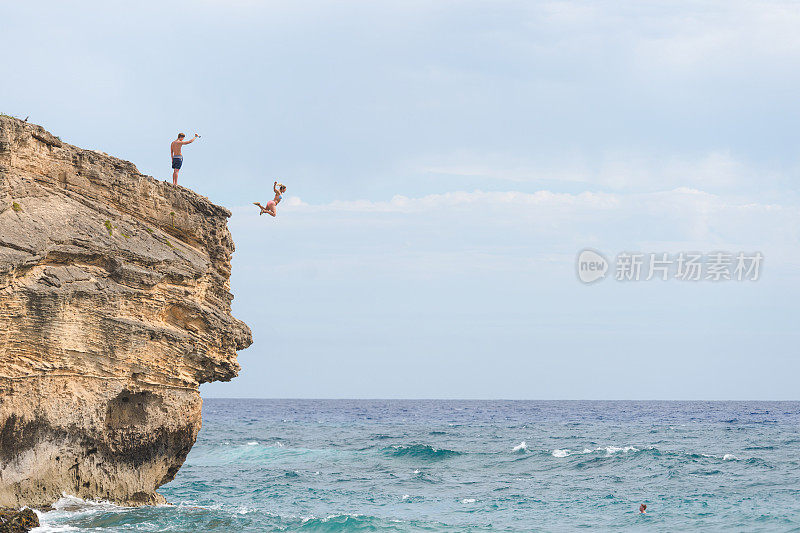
(719, 34)
(462, 199)
(716, 170)
(689, 198)
(482, 235)
(507, 222)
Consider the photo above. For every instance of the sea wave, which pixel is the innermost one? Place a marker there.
(254, 452)
(652, 451)
(609, 451)
(425, 477)
(76, 510)
(421, 451)
(349, 522)
(105, 517)
(67, 502)
(357, 522)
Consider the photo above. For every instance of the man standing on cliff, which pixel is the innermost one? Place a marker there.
(177, 157)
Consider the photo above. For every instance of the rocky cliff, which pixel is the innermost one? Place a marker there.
(115, 306)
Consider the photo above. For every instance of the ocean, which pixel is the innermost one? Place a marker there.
(441, 466)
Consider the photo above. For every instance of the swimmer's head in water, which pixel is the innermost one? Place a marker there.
(181, 136)
(643, 508)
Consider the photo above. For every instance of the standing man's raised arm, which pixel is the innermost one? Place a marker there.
(190, 141)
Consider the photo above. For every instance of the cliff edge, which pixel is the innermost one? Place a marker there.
(115, 306)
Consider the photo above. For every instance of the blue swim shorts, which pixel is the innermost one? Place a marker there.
(177, 162)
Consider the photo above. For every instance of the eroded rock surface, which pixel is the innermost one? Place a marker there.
(115, 306)
(17, 521)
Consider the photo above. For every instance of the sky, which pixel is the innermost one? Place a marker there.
(446, 161)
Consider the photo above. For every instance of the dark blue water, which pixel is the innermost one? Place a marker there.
(321, 465)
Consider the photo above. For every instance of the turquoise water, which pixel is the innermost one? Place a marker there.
(409, 466)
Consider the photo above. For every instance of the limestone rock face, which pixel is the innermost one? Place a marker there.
(115, 306)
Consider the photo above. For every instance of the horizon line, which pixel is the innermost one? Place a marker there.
(498, 399)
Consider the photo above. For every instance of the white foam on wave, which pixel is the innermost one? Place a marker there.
(468, 500)
(729, 457)
(68, 502)
(252, 443)
(69, 505)
(521, 447)
(49, 528)
(611, 450)
(335, 516)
